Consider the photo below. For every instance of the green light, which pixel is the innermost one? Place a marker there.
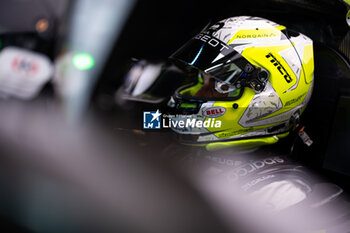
(83, 61)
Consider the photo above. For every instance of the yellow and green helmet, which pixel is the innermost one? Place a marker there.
(252, 80)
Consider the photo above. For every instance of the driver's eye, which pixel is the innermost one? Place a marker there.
(223, 87)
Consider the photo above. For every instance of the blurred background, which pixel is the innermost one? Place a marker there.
(74, 156)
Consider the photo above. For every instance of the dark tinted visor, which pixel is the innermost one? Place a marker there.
(208, 54)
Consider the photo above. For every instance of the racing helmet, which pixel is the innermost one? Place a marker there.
(251, 80)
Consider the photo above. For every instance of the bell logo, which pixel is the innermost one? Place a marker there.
(214, 112)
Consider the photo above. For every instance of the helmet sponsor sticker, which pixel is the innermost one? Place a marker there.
(252, 34)
(279, 67)
(214, 112)
(212, 41)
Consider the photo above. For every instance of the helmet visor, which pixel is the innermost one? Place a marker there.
(204, 53)
(208, 55)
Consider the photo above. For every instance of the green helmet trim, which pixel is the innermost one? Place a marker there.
(246, 143)
(188, 105)
(190, 91)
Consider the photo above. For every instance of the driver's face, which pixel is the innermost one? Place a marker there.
(208, 88)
